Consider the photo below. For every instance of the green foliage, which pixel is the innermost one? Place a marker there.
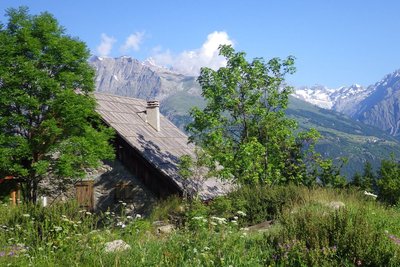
(368, 181)
(167, 207)
(48, 124)
(262, 203)
(243, 126)
(329, 174)
(388, 182)
(357, 180)
(306, 232)
(339, 237)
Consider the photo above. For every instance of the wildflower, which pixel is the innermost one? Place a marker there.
(82, 211)
(138, 216)
(107, 213)
(121, 224)
(219, 220)
(206, 248)
(88, 213)
(26, 215)
(197, 218)
(241, 213)
(213, 223)
(57, 228)
(129, 217)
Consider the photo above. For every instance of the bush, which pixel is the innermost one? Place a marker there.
(341, 237)
(259, 203)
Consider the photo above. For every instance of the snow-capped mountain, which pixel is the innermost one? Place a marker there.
(317, 95)
(341, 99)
(343, 137)
(377, 105)
(129, 77)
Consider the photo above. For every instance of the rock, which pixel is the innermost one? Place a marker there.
(335, 205)
(116, 246)
(261, 227)
(165, 229)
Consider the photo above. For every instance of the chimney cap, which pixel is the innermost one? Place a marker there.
(153, 103)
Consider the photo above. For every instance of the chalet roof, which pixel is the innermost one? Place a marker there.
(161, 148)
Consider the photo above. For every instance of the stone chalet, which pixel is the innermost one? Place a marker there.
(150, 146)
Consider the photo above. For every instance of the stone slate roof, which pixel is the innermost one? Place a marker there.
(162, 149)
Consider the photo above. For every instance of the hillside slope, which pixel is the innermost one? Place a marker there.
(342, 136)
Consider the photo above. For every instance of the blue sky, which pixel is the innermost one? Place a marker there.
(337, 42)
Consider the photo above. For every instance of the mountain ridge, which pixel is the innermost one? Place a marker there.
(177, 93)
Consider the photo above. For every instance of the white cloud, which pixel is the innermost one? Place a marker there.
(106, 45)
(133, 42)
(190, 62)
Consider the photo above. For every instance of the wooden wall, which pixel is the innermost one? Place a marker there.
(161, 185)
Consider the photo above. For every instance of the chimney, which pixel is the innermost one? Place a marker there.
(153, 114)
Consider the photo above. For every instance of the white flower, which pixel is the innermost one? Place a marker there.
(219, 220)
(241, 213)
(138, 216)
(121, 224)
(88, 213)
(198, 218)
(26, 215)
(57, 228)
(129, 217)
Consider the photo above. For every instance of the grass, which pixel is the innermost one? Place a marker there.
(306, 231)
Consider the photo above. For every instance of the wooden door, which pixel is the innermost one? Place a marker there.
(84, 194)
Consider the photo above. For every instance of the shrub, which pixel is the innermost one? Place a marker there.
(259, 203)
(342, 236)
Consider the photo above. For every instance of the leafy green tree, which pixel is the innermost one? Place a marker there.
(357, 180)
(48, 124)
(328, 173)
(243, 126)
(368, 178)
(389, 181)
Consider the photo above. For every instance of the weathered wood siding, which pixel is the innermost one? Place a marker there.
(157, 182)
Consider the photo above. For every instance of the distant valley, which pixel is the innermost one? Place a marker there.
(358, 123)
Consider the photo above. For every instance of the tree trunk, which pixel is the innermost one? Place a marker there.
(30, 192)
